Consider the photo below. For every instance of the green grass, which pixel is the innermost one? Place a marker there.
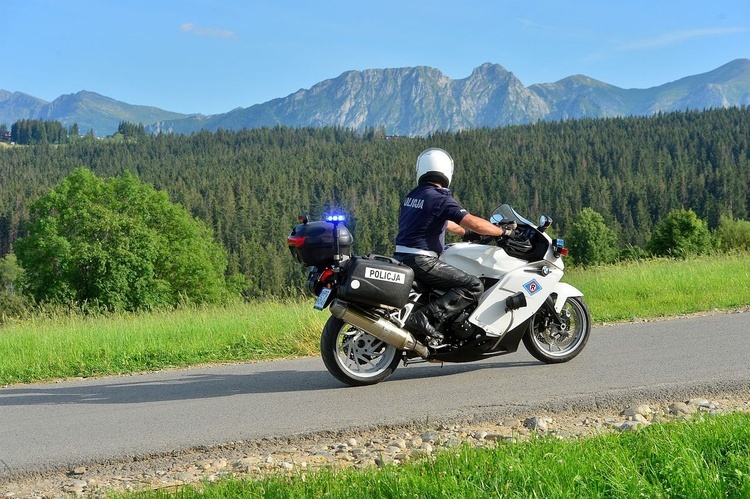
(701, 458)
(60, 346)
(662, 287)
(709, 458)
(73, 346)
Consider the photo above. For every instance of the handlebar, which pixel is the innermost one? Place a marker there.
(509, 226)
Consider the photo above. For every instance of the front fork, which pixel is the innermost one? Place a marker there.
(559, 320)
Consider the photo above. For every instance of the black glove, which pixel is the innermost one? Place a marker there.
(470, 236)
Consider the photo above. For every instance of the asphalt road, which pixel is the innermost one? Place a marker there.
(60, 425)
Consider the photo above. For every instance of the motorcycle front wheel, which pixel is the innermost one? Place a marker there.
(354, 356)
(552, 343)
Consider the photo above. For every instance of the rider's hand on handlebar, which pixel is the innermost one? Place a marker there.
(509, 227)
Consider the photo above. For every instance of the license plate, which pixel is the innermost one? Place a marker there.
(320, 303)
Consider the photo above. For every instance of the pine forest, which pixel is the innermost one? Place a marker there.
(249, 186)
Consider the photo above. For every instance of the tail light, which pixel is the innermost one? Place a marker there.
(295, 241)
(317, 280)
(326, 277)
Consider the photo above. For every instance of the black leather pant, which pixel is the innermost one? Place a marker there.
(461, 289)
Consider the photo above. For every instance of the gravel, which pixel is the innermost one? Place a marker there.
(351, 449)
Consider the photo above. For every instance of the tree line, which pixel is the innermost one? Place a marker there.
(249, 186)
(29, 132)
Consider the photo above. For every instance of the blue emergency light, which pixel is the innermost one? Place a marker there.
(336, 218)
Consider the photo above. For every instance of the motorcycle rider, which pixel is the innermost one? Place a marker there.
(426, 213)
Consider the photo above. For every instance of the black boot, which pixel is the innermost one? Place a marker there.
(420, 322)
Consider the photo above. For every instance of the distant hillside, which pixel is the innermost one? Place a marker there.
(18, 106)
(580, 96)
(409, 101)
(406, 101)
(90, 110)
(249, 186)
(421, 100)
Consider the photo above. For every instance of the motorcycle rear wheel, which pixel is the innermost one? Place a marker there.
(354, 356)
(553, 345)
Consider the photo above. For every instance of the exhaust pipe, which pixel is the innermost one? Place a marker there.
(380, 328)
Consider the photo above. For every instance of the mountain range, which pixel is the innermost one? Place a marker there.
(406, 101)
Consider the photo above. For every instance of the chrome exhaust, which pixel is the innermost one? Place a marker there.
(380, 328)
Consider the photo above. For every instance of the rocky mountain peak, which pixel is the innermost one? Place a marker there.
(409, 101)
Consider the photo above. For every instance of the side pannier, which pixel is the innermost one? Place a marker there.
(376, 280)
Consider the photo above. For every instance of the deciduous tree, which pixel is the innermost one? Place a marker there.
(681, 234)
(592, 241)
(120, 244)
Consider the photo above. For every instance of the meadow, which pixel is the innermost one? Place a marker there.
(55, 345)
(708, 456)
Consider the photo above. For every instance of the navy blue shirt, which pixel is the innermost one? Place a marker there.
(424, 217)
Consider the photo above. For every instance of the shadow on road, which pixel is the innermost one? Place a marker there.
(184, 385)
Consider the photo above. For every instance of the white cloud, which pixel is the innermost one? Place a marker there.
(213, 32)
(670, 38)
(679, 36)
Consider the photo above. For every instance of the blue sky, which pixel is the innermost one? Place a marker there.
(200, 56)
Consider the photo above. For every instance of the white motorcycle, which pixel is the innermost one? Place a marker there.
(370, 298)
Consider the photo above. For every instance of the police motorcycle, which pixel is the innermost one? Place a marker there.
(370, 297)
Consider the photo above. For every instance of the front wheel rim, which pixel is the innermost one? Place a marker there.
(560, 342)
(362, 355)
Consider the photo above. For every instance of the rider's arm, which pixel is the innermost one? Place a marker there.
(454, 228)
(481, 226)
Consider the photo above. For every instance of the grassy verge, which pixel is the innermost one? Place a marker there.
(71, 346)
(658, 288)
(700, 458)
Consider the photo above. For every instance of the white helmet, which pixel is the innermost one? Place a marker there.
(436, 163)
